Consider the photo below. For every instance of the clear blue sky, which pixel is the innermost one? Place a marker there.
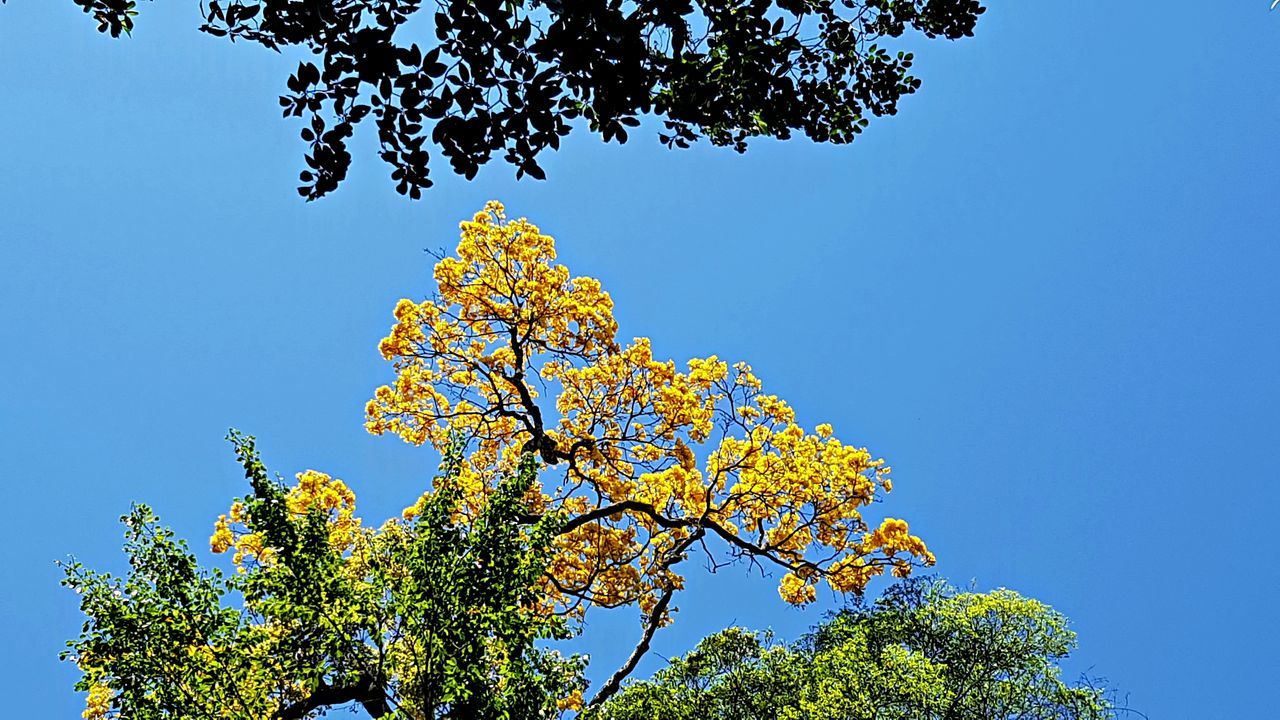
(1046, 292)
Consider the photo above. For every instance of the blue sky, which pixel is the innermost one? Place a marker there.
(1045, 292)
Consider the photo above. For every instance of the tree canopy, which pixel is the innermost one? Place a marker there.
(509, 78)
(422, 619)
(579, 473)
(923, 651)
(516, 355)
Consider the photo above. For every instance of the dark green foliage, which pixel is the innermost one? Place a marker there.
(508, 77)
(113, 16)
(924, 651)
(421, 620)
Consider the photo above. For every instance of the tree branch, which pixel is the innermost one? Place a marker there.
(365, 691)
(626, 505)
(659, 611)
(703, 523)
(615, 681)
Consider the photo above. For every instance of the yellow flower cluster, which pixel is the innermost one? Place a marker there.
(318, 491)
(572, 702)
(315, 491)
(98, 703)
(508, 326)
(222, 538)
(795, 590)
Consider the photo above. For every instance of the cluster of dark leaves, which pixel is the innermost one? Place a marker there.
(113, 16)
(509, 77)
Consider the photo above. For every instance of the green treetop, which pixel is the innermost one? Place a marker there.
(429, 619)
(923, 651)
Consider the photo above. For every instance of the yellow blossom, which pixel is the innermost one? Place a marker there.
(315, 492)
(573, 702)
(795, 590)
(98, 703)
(222, 538)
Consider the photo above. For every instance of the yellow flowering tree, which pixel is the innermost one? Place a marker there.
(647, 461)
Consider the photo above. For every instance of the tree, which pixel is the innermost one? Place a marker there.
(507, 327)
(432, 618)
(593, 497)
(923, 651)
(510, 77)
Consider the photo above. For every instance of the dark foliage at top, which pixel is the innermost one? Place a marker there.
(510, 76)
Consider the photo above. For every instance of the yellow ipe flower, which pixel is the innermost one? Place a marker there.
(222, 539)
(796, 591)
(98, 703)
